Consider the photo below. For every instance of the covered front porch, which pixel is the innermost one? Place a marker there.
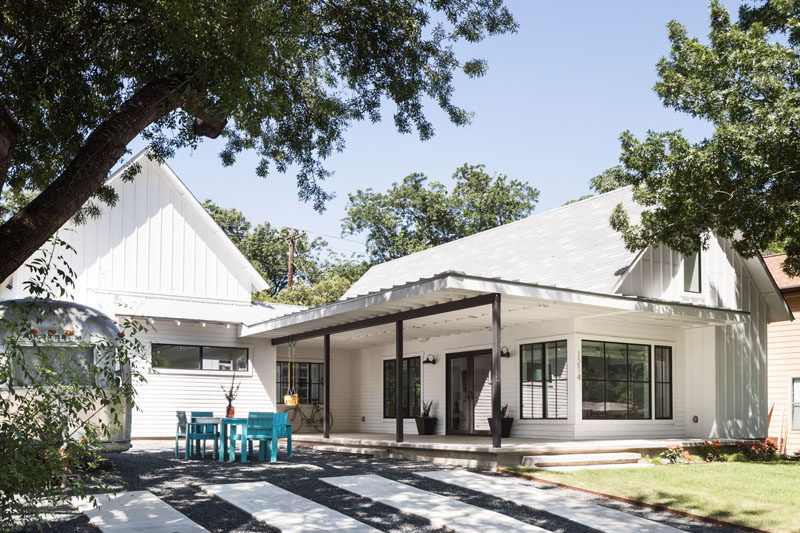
(363, 348)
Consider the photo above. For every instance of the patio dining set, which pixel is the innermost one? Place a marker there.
(201, 426)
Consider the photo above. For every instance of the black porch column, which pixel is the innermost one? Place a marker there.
(398, 380)
(326, 433)
(496, 422)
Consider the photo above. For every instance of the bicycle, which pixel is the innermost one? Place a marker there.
(297, 417)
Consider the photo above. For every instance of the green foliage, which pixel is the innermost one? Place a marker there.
(417, 214)
(232, 221)
(711, 451)
(317, 281)
(609, 180)
(741, 183)
(282, 78)
(675, 453)
(65, 391)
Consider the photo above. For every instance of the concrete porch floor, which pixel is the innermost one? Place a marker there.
(478, 451)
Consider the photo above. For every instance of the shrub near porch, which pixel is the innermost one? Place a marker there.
(762, 495)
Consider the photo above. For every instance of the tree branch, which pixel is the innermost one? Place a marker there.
(29, 229)
(9, 133)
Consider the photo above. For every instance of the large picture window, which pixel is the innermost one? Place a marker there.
(543, 374)
(662, 364)
(310, 381)
(187, 357)
(616, 380)
(411, 388)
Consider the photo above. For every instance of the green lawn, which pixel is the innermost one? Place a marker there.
(760, 495)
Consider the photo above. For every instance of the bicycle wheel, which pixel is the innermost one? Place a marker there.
(316, 420)
(296, 419)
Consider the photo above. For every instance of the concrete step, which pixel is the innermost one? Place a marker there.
(348, 450)
(580, 459)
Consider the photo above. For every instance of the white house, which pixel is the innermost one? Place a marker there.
(585, 339)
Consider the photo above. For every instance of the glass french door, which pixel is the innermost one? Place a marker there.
(469, 392)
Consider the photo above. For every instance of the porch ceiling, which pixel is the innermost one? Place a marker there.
(521, 304)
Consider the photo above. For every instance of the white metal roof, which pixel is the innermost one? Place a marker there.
(572, 246)
(190, 309)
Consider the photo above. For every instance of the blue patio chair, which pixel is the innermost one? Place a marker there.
(180, 430)
(282, 429)
(198, 433)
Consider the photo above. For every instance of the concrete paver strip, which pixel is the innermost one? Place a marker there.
(134, 512)
(441, 511)
(524, 493)
(284, 510)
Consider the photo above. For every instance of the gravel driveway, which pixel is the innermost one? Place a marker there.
(177, 482)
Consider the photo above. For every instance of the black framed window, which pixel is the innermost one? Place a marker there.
(616, 380)
(796, 403)
(691, 272)
(310, 381)
(411, 384)
(543, 379)
(188, 357)
(662, 365)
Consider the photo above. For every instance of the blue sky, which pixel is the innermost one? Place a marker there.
(549, 111)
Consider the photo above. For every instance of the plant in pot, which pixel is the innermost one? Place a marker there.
(426, 424)
(230, 395)
(505, 422)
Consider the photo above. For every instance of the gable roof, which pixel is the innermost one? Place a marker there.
(226, 246)
(782, 279)
(572, 246)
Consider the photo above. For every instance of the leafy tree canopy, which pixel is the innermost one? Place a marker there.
(742, 183)
(417, 214)
(608, 180)
(80, 80)
(320, 276)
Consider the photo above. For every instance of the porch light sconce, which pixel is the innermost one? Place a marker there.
(504, 352)
(429, 360)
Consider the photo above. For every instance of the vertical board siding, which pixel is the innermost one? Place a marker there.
(153, 241)
(784, 366)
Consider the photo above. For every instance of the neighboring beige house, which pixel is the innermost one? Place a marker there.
(783, 363)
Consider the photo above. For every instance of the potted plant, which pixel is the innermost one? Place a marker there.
(505, 422)
(230, 395)
(426, 424)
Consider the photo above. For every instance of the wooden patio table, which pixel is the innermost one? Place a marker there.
(223, 434)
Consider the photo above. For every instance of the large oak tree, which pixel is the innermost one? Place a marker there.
(743, 182)
(80, 80)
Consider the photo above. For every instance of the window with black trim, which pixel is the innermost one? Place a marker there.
(543, 379)
(796, 403)
(310, 381)
(411, 390)
(691, 272)
(662, 365)
(616, 380)
(187, 357)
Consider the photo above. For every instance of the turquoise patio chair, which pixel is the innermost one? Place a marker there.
(180, 430)
(198, 433)
(266, 428)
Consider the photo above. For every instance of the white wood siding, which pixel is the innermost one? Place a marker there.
(168, 391)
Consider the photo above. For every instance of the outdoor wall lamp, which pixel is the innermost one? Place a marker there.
(504, 352)
(429, 360)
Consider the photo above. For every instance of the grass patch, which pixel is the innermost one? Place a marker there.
(759, 495)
